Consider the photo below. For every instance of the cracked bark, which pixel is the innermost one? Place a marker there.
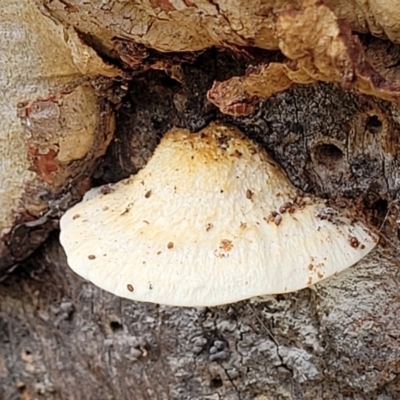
(63, 338)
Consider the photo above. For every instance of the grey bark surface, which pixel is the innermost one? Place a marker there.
(63, 338)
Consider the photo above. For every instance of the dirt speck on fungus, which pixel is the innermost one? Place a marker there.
(106, 189)
(249, 194)
(354, 242)
(285, 207)
(130, 287)
(209, 226)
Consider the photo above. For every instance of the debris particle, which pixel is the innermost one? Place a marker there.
(278, 219)
(285, 207)
(127, 208)
(106, 189)
(148, 194)
(76, 216)
(249, 194)
(170, 245)
(208, 227)
(222, 141)
(144, 351)
(325, 213)
(91, 257)
(354, 242)
(130, 287)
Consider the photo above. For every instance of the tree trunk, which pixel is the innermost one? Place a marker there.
(63, 338)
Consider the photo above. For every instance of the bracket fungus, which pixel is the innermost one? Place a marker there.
(210, 220)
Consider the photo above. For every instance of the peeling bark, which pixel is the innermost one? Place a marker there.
(173, 25)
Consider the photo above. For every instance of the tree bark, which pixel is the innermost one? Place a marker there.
(63, 338)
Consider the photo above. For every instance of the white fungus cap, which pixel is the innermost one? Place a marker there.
(210, 220)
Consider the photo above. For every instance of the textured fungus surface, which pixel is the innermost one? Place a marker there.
(210, 220)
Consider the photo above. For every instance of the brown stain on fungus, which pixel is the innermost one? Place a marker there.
(76, 216)
(226, 245)
(170, 245)
(91, 257)
(269, 219)
(130, 287)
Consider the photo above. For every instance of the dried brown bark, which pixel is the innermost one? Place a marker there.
(62, 338)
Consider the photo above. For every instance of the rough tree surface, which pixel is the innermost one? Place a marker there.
(54, 124)
(63, 338)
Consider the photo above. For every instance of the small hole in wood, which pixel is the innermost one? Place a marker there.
(216, 383)
(380, 205)
(373, 124)
(328, 154)
(115, 326)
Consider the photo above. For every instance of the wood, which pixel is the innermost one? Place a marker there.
(63, 338)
